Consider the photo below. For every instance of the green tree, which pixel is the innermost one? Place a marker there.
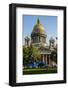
(25, 55)
(35, 53)
(30, 54)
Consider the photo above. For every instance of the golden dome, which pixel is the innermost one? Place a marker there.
(38, 28)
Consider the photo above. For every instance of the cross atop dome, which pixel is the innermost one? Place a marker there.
(38, 21)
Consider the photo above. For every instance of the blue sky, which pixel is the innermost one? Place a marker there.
(49, 23)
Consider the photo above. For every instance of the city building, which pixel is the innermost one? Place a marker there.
(39, 39)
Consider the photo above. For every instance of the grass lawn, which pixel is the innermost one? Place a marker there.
(39, 71)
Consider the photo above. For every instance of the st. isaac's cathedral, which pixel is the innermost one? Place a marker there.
(39, 39)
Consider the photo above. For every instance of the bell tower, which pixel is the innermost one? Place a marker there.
(27, 41)
(52, 43)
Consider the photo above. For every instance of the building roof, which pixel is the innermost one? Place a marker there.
(44, 50)
(38, 28)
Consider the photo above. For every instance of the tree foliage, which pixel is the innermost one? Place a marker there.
(30, 54)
